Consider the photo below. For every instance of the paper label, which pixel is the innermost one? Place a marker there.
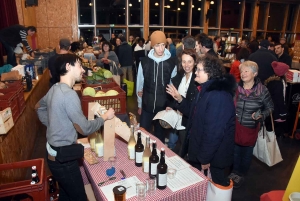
(131, 153)
(146, 166)
(154, 168)
(139, 157)
(162, 179)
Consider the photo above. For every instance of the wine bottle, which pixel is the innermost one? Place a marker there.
(146, 155)
(162, 168)
(139, 150)
(153, 161)
(92, 140)
(131, 144)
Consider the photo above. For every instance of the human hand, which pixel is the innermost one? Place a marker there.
(168, 108)
(174, 93)
(109, 114)
(253, 116)
(140, 111)
(205, 167)
(140, 93)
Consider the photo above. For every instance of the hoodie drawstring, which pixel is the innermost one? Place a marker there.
(154, 71)
(162, 74)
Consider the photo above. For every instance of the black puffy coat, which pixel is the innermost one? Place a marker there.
(246, 105)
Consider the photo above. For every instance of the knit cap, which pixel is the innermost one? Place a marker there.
(157, 37)
(279, 68)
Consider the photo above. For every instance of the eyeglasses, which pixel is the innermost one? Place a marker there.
(199, 69)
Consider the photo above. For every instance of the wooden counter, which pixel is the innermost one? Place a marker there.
(18, 143)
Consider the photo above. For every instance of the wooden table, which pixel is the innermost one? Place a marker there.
(96, 174)
(18, 143)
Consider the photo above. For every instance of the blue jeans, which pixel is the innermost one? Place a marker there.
(11, 57)
(68, 176)
(146, 122)
(242, 159)
(173, 138)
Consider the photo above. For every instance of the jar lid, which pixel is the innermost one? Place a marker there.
(119, 190)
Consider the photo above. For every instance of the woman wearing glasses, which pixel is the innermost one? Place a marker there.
(211, 125)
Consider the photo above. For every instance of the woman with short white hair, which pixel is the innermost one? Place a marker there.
(253, 105)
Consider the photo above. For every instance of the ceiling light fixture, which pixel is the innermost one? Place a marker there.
(178, 9)
(212, 2)
(193, 6)
(182, 3)
(156, 4)
(130, 4)
(90, 4)
(199, 9)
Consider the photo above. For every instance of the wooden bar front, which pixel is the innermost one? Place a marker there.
(18, 143)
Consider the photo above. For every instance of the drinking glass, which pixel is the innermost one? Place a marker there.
(141, 191)
(151, 186)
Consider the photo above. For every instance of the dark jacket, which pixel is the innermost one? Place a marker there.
(263, 58)
(189, 95)
(247, 105)
(285, 58)
(211, 124)
(125, 54)
(253, 46)
(276, 87)
(156, 78)
(212, 53)
(14, 35)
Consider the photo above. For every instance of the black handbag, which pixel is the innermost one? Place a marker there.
(69, 153)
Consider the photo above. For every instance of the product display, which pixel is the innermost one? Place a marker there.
(153, 161)
(162, 167)
(131, 144)
(146, 155)
(139, 150)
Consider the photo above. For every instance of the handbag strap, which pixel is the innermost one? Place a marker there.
(272, 121)
(114, 66)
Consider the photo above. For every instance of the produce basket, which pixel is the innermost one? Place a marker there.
(118, 102)
(107, 83)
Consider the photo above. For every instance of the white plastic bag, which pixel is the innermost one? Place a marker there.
(266, 148)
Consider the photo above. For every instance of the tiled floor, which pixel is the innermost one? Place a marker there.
(260, 178)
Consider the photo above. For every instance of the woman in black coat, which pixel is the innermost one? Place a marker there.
(184, 82)
(211, 125)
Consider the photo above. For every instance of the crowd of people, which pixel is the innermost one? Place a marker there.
(221, 112)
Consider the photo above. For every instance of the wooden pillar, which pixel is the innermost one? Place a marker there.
(255, 18)
(205, 22)
(146, 17)
(242, 13)
(266, 17)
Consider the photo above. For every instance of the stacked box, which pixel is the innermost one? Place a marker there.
(293, 76)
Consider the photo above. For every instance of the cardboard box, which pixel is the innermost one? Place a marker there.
(293, 75)
(6, 121)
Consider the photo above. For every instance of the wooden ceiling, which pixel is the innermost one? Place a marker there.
(281, 1)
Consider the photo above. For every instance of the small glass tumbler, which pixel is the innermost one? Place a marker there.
(151, 186)
(141, 191)
(112, 161)
(171, 173)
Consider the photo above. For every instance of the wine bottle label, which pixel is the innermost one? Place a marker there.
(146, 166)
(131, 153)
(139, 157)
(162, 179)
(154, 168)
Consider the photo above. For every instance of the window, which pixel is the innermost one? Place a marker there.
(88, 34)
(194, 32)
(155, 12)
(176, 33)
(276, 17)
(248, 16)
(261, 15)
(291, 16)
(110, 12)
(176, 13)
(136, 32)
(197, 13)
(85, 11)
(212, 13)
(135, 11)
(230, 14)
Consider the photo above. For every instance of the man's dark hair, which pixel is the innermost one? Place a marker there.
(31, 28)
(75, 46)
(282, 46)
(212, 66)
(189, 42)
(122, 37)
(198, 37)
(141, 39)
(207, 42)
(64, 44)
(62, 60)
(243, 54)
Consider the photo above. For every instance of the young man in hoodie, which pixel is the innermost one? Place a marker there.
(154, 73)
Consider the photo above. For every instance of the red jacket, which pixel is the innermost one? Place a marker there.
(235, 71)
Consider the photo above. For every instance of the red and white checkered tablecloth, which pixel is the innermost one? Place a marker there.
(96, 174)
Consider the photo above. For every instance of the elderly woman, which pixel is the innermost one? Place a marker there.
(211, 125)
(253, 104)
(184, 82)
(107, 57)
